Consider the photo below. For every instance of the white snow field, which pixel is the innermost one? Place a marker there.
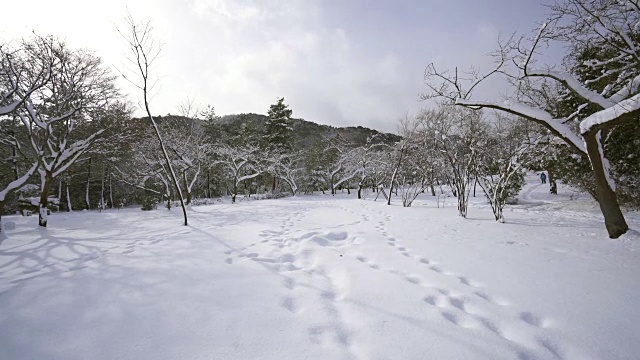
(322, 277)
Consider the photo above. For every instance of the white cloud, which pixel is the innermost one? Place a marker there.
(240, 55)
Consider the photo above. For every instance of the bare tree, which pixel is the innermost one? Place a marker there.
(454, 135)
(369, 161)
(240, 162)
(144, 50)
(289, 167)
(342, 164)
(57, 116)
(19, 79)
(608, 25)
(186, 139)
(499, 167)
(416, 171)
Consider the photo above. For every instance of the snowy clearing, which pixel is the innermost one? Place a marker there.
(322, 277)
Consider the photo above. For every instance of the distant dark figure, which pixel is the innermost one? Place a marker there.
(554, 188)
(543, 177)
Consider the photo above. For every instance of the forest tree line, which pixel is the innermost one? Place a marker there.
(69, 140)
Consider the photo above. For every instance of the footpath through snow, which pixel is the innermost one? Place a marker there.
(321, 277)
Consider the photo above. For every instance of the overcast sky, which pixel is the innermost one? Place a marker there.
(337, 62)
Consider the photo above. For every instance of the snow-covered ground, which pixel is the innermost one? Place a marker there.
(322, 277)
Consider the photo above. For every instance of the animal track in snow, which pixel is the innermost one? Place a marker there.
(438, 301)
(332, 238)
(290, 304)
(444, 292)
(458, 303)
(451, 317)
(487, 323)
(414, 279)
(469, 282)
(532, 319)
(289, 283)
(552, 347)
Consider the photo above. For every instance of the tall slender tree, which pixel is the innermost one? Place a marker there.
(278, 131)
(144, 51)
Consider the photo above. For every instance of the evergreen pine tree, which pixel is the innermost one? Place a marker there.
(278, 131)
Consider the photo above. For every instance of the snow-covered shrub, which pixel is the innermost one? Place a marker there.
(149, 203)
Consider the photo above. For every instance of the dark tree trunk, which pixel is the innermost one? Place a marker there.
(186, 186)
(208, 184)
(69, 208)
(60, 196)
(86, 198)
(110, 192)
(433, 191)
(102, 204)
(360, 191)
(44, 200)
(1, 208)
(235, 193)
(613, 218)
(552, 178)
(14, 159)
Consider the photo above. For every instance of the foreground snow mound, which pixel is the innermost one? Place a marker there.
(323, 277)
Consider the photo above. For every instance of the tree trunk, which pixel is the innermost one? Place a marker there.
(86, 198)
(613, 218)
(110, 192)
(208, 184)
(360, 191)
(102, 205)
(68, 199)
(44, 200)
(60, 185)
(1, 207)
(14, 158)
(433, 191)
(552, 178)
(235, 193)
(186, 186)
